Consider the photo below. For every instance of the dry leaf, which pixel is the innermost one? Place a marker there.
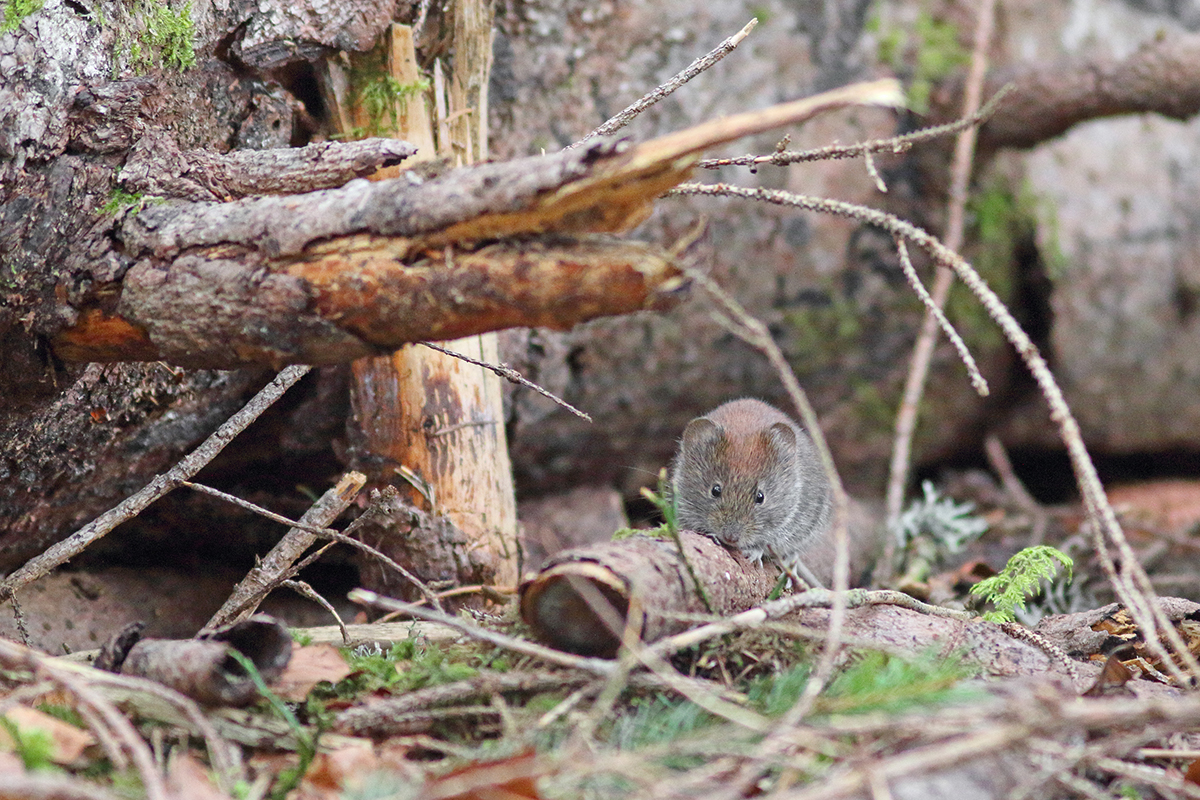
(69, 741)
(309, 666)
(332, 773)
(188, 779)
(512, 779)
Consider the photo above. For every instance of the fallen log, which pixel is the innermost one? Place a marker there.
(278, 279)
(645, 583)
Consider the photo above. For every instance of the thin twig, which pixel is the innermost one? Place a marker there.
(122, 728)
(422, 13)
(935, 310)
(813, 598)
(914, 385)
(893, 144)
(1021, 633)
(596, 666)
(253, 589)
(1000, 463)
(324, 533)
(512, 376)
(695, 68)
(308, 592)
(1131, 584)
(19, 618)
(133, 505)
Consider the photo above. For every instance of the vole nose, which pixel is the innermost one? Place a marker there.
(730, 534)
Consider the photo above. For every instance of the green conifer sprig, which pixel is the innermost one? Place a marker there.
(1020, 580)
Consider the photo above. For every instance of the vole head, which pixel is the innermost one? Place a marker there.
(741, 486)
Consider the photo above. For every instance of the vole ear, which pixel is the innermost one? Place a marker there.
(700, 432)
(782, 436)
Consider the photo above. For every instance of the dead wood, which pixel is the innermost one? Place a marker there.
(647, 584)
(284, 279)
(253, 589)
(157, 166)
(1048, 99)
(203, 668)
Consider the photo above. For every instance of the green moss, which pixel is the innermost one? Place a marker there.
(925, 54)
(121, 199)
(169, 33)
(156, 36)
(15, 11)
(384, 96)
(821, 334)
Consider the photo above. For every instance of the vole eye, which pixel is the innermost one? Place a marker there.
(759, 497)
(716, 490)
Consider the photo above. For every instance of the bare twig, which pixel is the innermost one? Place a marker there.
(914, 385)
(935, 310)
(122, 728)
(813, 598)
(253, 589)
(323, 533)
(422, 13)
(893, 144)
(1000, 463)
(19, 618)
(1021, 633)
(75, 544)
(596, 666)
(306, 591)
(512, 376)
(695, 68)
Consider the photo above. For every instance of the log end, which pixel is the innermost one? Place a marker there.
(563, 606)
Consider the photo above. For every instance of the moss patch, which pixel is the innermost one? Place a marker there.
(922, 54)
(157, 35)
(14, 13)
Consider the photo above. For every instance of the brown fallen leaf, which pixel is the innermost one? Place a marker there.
(1113, 676)
(68, 741)
(309, 666)
(188, 779)
(511, 779)
(335, 772)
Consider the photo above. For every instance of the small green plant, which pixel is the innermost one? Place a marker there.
(306, 740)
(948, 524)
(33, 746)
(387, 95)
(302, 638)
(662, 500)
(1020, 580)
(15, 11)
(880, 682)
